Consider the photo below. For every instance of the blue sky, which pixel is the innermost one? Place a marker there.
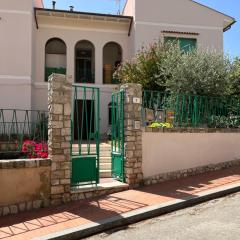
(230, 7)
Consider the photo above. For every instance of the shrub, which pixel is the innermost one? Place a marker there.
(225, 122)
(197, 72)
(235, 77)
(165, 67)
(144, 68)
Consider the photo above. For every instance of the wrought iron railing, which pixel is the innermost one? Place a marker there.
(17, 125)
(185, 110)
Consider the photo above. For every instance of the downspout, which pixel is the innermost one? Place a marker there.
(35, 16)
(130, 27)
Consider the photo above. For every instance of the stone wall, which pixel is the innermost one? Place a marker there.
(163, 177)
(24, 185)
(133, 134)
(59, 127)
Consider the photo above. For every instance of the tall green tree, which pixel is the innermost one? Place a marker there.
(166, 67)
(235, 77)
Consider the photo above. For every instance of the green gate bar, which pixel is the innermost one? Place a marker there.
(118, 135)
(85, 127)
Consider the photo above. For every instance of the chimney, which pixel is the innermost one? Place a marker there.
(71, 8)
(53, 5)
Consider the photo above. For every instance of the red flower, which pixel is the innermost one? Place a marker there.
(35, 150)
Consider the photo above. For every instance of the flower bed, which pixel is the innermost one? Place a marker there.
(33, 149)
(29, 150)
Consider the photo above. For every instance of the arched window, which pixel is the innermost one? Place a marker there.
(112, 57)
(55, 57)
(84, 62)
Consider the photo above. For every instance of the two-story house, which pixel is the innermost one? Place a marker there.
(36, 42)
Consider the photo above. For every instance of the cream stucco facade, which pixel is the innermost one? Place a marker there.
(172, 152)
(26, 28)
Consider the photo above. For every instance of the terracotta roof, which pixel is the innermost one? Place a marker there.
(176, 32)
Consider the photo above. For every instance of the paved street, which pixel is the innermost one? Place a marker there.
(181, 225)
(218, 219)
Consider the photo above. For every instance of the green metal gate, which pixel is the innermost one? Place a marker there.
(85, 124)
(117, 112)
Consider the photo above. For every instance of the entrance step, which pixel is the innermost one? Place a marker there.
(105, 166)
(101, 154)
(105, 160)
(105, 173)
(84, 149)
(105, 153)
(106, 186)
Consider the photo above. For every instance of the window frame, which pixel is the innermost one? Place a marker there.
(179, 38)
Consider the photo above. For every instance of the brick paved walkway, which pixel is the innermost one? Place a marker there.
(38, 223)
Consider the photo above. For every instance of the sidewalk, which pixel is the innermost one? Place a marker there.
(120, 208)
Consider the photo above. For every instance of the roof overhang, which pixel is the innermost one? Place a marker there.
(98, 17)
(228, 24)
(228, 21)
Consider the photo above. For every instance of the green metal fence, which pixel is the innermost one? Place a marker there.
(117, 114)
(183, 110)
(85, 133)
(19, 125)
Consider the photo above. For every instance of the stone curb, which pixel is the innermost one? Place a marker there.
(139, 215)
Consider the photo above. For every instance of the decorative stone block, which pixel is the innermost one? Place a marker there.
(5, 211)
(13, 209)
(37, 204)
(29, 206)
(22, 207)
(57, 189)
(57, 108)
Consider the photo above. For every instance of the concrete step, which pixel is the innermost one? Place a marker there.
(105, 173)
(101, 154)
(101, 151)
(105, 154)
(105, 147)
(104, 157)
(105, 160)
(105, 166)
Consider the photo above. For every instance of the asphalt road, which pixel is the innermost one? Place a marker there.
(215, 220)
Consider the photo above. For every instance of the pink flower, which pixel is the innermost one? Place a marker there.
(35, 150)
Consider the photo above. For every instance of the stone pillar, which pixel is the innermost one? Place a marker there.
(133, 134)
(59, 136)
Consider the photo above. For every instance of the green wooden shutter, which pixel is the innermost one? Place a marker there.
(170, 40)
(185, 44)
